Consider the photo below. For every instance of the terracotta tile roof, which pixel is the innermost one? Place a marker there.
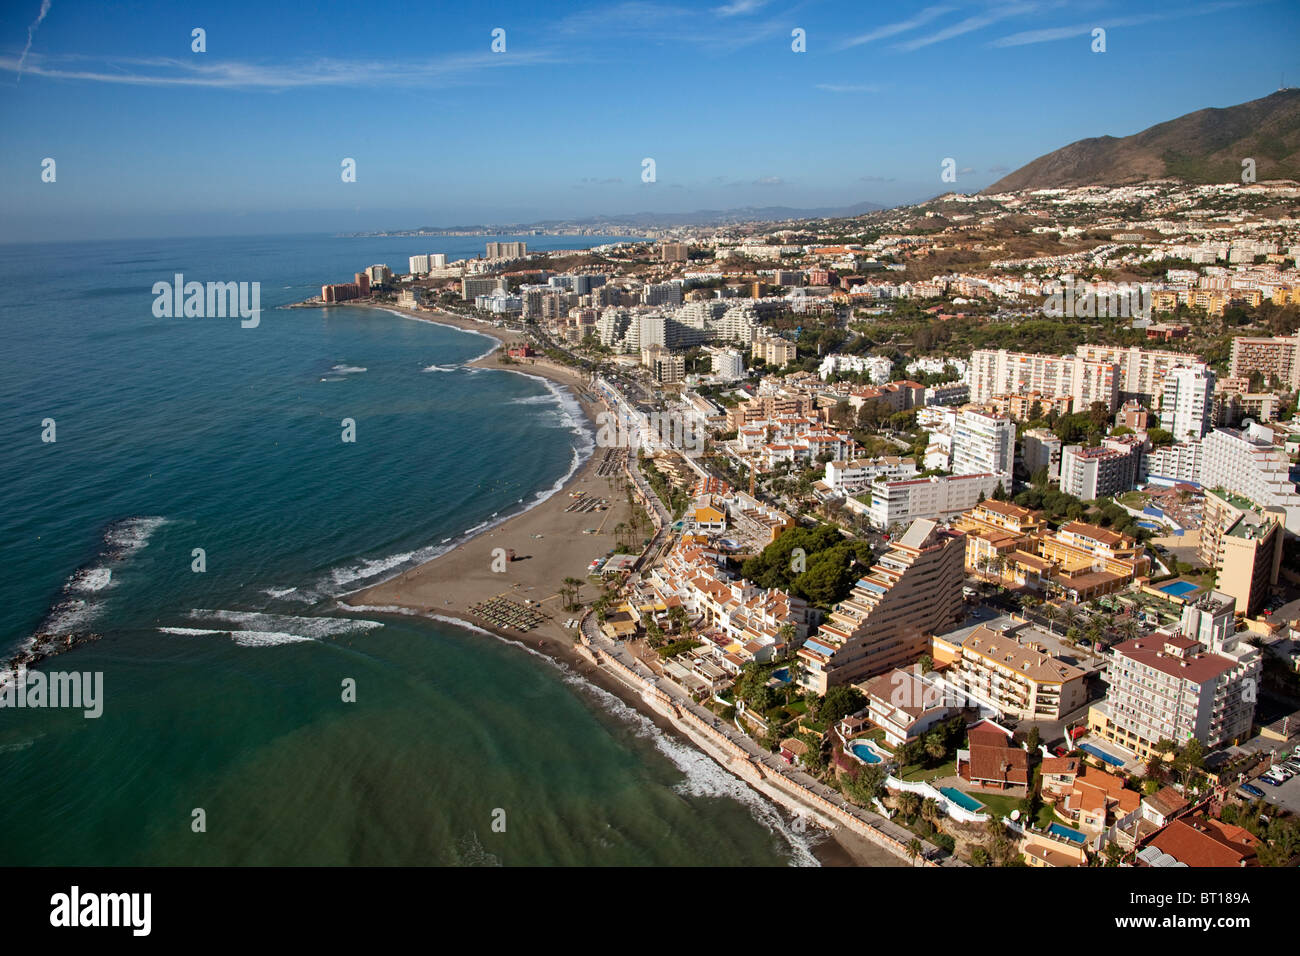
(1197, 842)
(1060, 765)
(1008, 765)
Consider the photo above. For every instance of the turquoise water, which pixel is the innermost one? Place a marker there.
(1063, 831)
(1102, 755)
(223, 688)
(1178, 588)
(965, 801)
(864, 752)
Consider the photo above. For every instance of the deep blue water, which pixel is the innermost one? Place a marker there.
(222, 687)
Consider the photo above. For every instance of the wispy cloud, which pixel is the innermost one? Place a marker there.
(740, 7)
(653, 22)
(234, 74)
(769, 181)
(893, 29)
(31, 35)
(1050, 34)
(972, 23)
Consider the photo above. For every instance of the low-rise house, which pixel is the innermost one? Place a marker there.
(1098, 800)
(1163, 806)
(991, 760)
(905, 705)
(1201, 841)
(1058, 775)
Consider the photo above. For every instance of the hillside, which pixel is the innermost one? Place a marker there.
(1202, 147)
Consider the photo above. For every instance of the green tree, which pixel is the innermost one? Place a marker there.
(840, 701)
(914, 849)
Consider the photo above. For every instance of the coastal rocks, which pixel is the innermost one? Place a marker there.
(45, 645)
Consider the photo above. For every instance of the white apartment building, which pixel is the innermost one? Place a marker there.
(1249, 462)
(728, 364)
(737, 324)
(1200, 683)
(1175, 463)
(1041, 448)
(878, 367)
(1142, 371)
(999, 372)
(1187, 402)
(983, 443)
(853, 477)
(935, 498)
(1110, 468)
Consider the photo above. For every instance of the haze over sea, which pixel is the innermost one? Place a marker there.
(222, 690)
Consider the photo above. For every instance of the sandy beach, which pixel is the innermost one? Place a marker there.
(550, 544)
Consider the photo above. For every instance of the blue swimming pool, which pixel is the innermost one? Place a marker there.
(1149, 525)
(1102, 755)
(1178, 588)
(963, 800)
(782, 674)
(864, 752)
(1074, 836)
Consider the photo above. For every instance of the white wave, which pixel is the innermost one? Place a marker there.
(441, 368)
(380, 609)
(347, 369)
(242, 638)
(70, 615)
(369, 567)
(304, 628)
(132, 534)
(90, 579)
(266, 638)
(280, 592)
(704, 776)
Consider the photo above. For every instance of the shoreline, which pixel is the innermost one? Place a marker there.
(446, 586)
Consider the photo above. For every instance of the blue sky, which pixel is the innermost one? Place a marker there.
(152, 139)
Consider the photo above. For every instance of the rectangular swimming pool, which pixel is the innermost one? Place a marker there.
(965, 801)
(1102, 755)
(1178, 588)
(1074, 836)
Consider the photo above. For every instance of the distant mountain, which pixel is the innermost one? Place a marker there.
(661, 220)
(1202, 147)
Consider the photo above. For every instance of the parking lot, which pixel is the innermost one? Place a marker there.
(1286, 796)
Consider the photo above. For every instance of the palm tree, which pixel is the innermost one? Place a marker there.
(930, 812)
(1051, 614)
(571, 588)
(913, 849)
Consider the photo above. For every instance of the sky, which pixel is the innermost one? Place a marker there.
(151, 138)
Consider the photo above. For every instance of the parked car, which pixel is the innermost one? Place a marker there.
(1251, 789)
(1060, 750)
(1272, 781)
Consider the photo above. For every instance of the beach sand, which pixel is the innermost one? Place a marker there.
(550, 545)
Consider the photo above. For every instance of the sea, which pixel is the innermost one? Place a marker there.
(199, 510)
